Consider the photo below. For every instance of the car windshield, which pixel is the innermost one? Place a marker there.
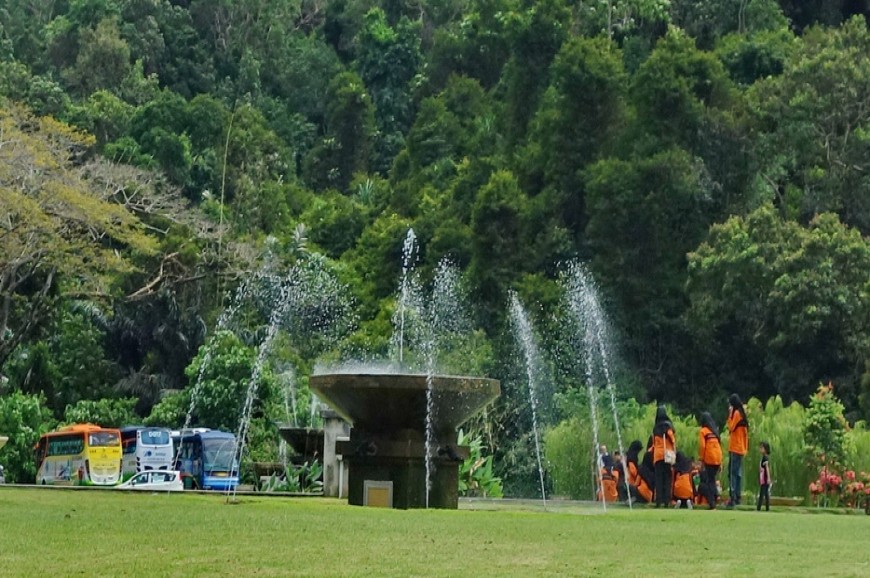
(218, 454)
(103, 439)
(155, 437)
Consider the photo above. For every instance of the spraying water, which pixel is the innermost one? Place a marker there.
(224, 320)
(409, 260)
(309, 304)
(529, 347)
(254, 382)
(584, 303)
(288, 379)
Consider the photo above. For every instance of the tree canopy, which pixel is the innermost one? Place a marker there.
(708, 160)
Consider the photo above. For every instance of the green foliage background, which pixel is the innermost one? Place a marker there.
(708, 160)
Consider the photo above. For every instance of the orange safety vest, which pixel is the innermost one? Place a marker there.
(644, 491)
(683, 487)
(709, 448)
(633, 474)
(738, 441)
(608, 482)
(659, 443)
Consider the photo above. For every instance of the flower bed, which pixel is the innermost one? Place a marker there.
(849, 490)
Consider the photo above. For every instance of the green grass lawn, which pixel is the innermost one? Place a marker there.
(100, 533)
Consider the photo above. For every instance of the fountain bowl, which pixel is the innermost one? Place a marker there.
(305, 441)
(385, 402)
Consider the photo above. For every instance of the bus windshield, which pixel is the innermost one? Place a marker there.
(155, 437)
(218, 455)
(102, 439)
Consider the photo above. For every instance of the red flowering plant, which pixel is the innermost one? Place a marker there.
(826, 444)
(850, 490)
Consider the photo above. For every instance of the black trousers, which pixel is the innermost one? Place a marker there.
(763, 494)
(708, 484)
(664, 483)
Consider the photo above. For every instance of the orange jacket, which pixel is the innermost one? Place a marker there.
(609, 482)
(738, 441)
(659, 444)
(633, 474)
(643, 490)
(709, 448)
(684, 489)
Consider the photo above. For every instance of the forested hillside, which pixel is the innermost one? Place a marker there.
(709, 159)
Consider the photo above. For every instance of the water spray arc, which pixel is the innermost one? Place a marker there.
(585, 306)
(529, 348)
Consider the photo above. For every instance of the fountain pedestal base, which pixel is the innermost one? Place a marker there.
(403, 463)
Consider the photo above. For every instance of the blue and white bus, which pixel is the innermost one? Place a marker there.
(207, 459)
(145, 448)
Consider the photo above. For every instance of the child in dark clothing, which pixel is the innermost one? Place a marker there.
(764, 478)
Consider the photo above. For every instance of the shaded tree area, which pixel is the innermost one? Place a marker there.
(710, 160)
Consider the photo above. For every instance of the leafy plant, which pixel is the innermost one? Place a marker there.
(306, 478)
(104, 412)
(23, 418)
(825, 430)
(475, 473)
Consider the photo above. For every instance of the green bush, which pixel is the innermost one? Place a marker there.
(23, 418)
(475, 473)
(103, 412)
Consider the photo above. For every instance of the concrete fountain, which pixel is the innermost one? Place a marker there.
(387, 450)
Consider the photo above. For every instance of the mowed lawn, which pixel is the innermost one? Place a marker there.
(104, 533)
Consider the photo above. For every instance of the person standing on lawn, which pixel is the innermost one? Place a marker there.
(710, 454)
(738, 446)
(764, 479)
(664, 443)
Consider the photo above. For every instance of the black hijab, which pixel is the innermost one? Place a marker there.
(633, 452)
(683, 464)
(663, 422)
(737, 404)
(707, 421)
(647, 470)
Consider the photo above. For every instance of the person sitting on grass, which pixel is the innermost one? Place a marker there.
(609, 481)
(684, 487)
(639, 489)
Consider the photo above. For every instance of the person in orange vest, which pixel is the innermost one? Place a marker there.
(639, 489)
(710, 452)
(684, 487)
(664, 442)
(609, 480)
(738, 445)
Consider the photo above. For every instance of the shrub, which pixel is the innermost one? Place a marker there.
(23, 418)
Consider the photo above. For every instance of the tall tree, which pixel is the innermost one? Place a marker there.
(813, 126)
(56, 226)
(795, 299)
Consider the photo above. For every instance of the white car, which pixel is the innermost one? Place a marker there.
(155, 481)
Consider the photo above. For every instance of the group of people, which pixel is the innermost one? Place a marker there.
(665, 476)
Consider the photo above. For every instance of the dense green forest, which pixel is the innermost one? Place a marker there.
(708, 159)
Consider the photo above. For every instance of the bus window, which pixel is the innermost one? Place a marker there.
(68, 444)
(155, 437)
(103, 439)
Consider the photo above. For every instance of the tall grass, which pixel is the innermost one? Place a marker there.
(569, 446)
(782, 427)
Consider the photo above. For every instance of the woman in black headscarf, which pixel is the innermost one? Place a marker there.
(738, 446)
(710, 454)
(664, 455)
(640, 483)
